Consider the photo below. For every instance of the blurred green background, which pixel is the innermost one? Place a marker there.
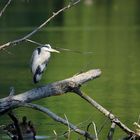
(108, 28)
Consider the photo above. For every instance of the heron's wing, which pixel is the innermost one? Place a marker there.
(33, 60)
(39, 58)
(45, 56)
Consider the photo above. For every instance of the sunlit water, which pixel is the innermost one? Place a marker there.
(109, 29)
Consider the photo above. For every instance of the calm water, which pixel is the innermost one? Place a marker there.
(110, 29)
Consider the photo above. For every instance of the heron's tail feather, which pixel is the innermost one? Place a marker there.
(35, 79)
(38, 75)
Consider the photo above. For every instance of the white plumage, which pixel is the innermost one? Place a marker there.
(39, 61)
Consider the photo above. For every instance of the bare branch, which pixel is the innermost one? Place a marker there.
(53, 89)
(4, 8)
(59, 119)
(61, 87)
(15, 42)
(95, 129)
(68, 124)
(108, 114)
(60, 49)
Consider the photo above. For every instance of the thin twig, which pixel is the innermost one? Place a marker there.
(68, 127)
(15, 42)
(60, 49)
(34, 42)
(80, 125)
(12, 91)
(138, 119)
(136, 124)
(4, 8)
(95, 129)
(102, 126)
(8, 52)
(56, 136)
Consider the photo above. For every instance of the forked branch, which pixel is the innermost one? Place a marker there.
(108, 114)
(61, 87)
(59, 119)
(53, 89)
(15, 42)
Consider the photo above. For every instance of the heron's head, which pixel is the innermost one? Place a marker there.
(48, 48)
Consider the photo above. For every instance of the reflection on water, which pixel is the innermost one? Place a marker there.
(108, 28)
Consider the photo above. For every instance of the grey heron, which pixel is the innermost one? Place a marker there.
(39, 61)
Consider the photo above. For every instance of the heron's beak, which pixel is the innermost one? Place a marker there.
(53, 50)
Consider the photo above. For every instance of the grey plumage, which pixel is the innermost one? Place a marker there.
(39, 61)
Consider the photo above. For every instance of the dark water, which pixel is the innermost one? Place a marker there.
(108, 28)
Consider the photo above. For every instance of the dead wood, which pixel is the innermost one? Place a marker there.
(53, 89)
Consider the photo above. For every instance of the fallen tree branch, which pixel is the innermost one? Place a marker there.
(4, 8)
(59, 119)
(15, 42)
(61, 87)
(108, 114)
(53, 89)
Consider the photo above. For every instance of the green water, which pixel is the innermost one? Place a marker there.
(108, 28)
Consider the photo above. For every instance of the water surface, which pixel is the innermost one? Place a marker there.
(110, 29)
